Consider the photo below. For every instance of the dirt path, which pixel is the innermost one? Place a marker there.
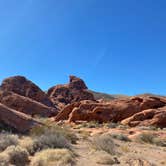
(86, 155)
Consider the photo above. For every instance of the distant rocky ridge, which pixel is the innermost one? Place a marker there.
(21, 100)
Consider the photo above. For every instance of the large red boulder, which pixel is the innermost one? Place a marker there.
(24, 87)
(26, 105)
(17, 120)
(75, 91)
(155, 117)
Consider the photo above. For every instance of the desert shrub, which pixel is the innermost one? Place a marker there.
(121, 137)
(7, 139)
(102, 157)
(148, 128)
(56, 157)
(111, 125)
(28, 144)
(93, 124)
(151, 139)
(146, 138)
(84, 134)
(123, 127)
(54, 130)
(4, 159)
(125, 148)
(159, 142)
(104, 142)
(16, 155)
(44, 137)
(50, 141)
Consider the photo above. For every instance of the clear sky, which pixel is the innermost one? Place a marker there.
(116, 46)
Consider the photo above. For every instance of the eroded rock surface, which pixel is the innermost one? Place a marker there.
(115, 111)
(75, 91)
(155, 117)
(26, 105)
(20, 121)
(24, 87)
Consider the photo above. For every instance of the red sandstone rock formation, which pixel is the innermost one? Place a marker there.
(20, 121)
(26, 105)
(115, 111)
(24, 87)
(155, 117)
(75, 91)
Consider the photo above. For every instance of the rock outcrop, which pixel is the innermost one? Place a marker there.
(22, 86)
(26, 105)
(75, 91)
(150, 117)
(20, 121)
(115, 111)
(20, 100)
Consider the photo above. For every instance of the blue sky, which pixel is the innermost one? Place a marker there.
(116, 46)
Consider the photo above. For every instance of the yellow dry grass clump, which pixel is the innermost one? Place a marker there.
(53, 157)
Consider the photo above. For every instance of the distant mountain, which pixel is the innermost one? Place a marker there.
(105, 96)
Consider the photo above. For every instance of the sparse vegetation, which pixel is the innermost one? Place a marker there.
(146, 138)
(7, 139)
(104, 142)
(151, 139)
(148, 128)
(123, 127)
(15, 155)
(125, 148)
(111, 125)
(27, 143)
(104, 158)
(85, 134)
(120, 137)
(56, 157)
(4, 159)
(91, 124)
(44, 137)
(54, 130)
(46, 141)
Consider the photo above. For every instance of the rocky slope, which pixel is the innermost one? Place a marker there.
(21, 99)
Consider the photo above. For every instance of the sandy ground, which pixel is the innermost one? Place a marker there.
(129, 153)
